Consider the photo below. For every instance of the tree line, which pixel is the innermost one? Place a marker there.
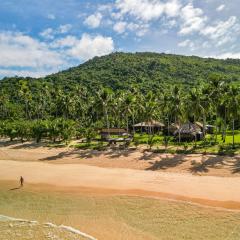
(61, 114)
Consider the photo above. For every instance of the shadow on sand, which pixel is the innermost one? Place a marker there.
(155, 161)
(88, 154)
(203, 166)
(168, 162)
(16, 188)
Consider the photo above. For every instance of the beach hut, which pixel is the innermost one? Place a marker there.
(200, 125)
(151, 126)
(170, 130)
(114, 135)
(189, 132)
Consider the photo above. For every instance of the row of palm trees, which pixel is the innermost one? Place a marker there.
(216, 101)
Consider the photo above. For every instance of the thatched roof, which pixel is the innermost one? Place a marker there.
(173, 126)
(151, 123)
(199, 124)
(113, 131)
(188, 128)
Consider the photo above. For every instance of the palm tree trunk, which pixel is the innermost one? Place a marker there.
(107, 120)
(204, 126)
(179, 133)
(233, 133)
(225, 125)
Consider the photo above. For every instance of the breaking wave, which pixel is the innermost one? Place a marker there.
(15, 228)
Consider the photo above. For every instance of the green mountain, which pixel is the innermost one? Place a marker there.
(143, 70)
(80, 99)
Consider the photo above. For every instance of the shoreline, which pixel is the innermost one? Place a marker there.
(129, 173)
(231, 206)
(8, 219)
(208, 190)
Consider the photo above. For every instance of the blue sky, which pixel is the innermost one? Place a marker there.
(42, 37)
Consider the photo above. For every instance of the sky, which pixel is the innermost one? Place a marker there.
(40, 37)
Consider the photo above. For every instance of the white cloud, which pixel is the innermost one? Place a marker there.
(23, 55)
(90, 46)
(19, 50)
(105, 7)
(220, 8)
(184, 43)
(23, 73)
(120, 27)
(193, 19)
(68, 41)
(94, 20)
(187, 44)
(47, 33)
(226, 55)
(64, 28)
(223, 31)
(51, 16)
(172, 8)
(147, 10)
(140, 29)
(116, 15)
(50, 33)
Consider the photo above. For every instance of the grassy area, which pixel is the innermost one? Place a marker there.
(211, 145)
(122, 217)
(91, 145)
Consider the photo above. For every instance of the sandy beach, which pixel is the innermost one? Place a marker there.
(136, 193)
(208, 165)
(123, 174)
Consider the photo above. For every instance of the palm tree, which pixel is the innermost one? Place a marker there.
(216, 86)
(176, 108)
(26, 96)
(105, 96)
(129, 103)
(233, 106)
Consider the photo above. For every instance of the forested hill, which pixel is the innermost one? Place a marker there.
(119, 90)
(142, 70)
(148, 70)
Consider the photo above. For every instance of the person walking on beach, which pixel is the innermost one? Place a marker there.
(21, 181)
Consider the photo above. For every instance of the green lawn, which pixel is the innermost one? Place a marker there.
(211, 144)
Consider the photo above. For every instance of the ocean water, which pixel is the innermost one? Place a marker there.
(20, 229)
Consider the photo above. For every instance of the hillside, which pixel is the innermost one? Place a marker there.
(148, 70)
(143, 70)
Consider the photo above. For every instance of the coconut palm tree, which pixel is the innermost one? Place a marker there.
(176, 107)
(105, 96)
(233, 107)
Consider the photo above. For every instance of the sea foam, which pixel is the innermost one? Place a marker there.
(69, 229)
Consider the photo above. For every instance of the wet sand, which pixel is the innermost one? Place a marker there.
(209, 190)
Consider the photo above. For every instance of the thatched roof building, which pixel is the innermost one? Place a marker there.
(149, 126)
(199, 124)
(151, 123)
(170, 130)
(189, 131)
(114, 135)
(113, 131)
